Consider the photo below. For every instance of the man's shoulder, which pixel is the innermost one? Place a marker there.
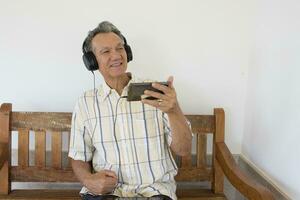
(90, 94)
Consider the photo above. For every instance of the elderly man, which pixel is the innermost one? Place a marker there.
(123, 148)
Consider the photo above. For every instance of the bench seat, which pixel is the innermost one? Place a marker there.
(192, 168)
(201, 194)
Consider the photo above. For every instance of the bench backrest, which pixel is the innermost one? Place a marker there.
(191, 168)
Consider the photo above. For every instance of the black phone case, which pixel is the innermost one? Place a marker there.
(136, 90)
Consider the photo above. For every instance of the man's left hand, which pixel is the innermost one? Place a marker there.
(166, 102)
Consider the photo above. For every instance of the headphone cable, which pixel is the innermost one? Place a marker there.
(115, 119)
(94, 103)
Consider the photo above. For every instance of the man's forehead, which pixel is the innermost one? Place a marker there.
(102, 40)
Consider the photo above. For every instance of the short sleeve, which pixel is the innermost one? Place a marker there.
(80, 147)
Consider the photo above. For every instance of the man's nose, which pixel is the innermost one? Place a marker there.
(115, 55)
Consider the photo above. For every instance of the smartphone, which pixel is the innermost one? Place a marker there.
(136, 90)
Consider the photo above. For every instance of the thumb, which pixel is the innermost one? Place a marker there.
(110, 173)
(170, 81)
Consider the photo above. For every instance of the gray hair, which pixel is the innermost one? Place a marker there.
(103, 27)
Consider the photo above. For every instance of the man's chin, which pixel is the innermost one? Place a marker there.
(118, 71)
(118, 74)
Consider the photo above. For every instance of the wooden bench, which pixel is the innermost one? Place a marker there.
(192, 168)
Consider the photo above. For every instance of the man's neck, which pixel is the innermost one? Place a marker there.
(119, 83)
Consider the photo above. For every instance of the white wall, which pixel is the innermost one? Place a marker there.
(203, 44)
(208, 46)
(272, 134)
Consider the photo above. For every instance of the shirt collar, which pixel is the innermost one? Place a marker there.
(108, 90)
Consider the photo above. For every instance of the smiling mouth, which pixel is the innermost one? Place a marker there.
(116, 64)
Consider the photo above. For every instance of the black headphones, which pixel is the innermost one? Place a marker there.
(90, 60)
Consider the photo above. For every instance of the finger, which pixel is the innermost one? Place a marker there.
(163, 88)
(170, 81)
(110, 173)
(110, 183)
(155, 94)
(111, 180)
(153, 103)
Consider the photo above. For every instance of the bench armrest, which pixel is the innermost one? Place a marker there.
(243, 183)
(3, 153)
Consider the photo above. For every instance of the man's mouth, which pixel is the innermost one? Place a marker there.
(118, 64)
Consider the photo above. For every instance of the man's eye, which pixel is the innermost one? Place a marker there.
(104, 52)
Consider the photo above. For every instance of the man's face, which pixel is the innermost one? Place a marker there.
(110, 54)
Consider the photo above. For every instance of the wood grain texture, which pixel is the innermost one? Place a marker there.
(219, 124)
(23, 147)
(183, 194)
(201, 150)
(40, 149)
(217, 183)
(198, 194)
(69, 159)
(202, 123)
(3, 153)
(5, 114)
(56, 143)
(59, 122)
(48, 174)
(42, 195)
(218, 178)
(193, 174)
(186, 161)
(246, 185)
(54, 121)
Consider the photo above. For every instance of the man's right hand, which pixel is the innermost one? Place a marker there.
(101, 182)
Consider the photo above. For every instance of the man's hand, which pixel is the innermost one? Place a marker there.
(166, 102)
(101, 182)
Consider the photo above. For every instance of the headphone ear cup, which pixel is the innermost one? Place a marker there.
(90, 61)
(128, 52)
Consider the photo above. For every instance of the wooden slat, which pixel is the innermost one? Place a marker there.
(220, 124)
(198, 194)
(5, 112)
(48, 174)
(69, 163)
(194, 174)
(23, 147)
(202, 123)
(201, 150)
(186, 161)
(56, 150)
(40, 149)
(54, 121)
(43, 194)
(217, 183)
(69, 159)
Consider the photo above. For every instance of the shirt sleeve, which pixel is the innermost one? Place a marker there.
(80, 147)
(167, 128)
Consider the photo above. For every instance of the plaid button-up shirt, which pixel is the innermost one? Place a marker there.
(130, 138)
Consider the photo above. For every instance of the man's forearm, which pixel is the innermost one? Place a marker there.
(181, 133)
(82, 170)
